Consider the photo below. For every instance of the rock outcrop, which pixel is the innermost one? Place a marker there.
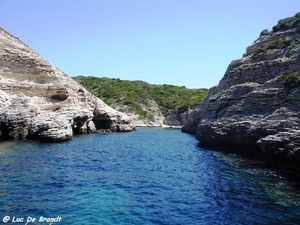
(39, 101)
(153, 118)
(255, 108)
(178, 118)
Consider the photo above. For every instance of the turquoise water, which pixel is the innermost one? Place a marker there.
(151, 176)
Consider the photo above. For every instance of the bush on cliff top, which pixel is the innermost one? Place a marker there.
(134, 93)
(288, 23)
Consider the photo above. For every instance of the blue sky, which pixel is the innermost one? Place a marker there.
(181, 42)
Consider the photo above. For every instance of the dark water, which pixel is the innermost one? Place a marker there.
(152, 176)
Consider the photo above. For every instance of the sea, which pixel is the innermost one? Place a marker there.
(149, 176)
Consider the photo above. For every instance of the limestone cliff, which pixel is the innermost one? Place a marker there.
(39, 101)
(255, 108)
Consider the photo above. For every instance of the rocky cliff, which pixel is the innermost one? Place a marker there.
(39, 101)
(255, 108)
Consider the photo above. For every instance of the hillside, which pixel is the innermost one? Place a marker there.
(255, 107)
(151, 103)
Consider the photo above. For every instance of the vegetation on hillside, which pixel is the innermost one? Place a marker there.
(288, 23)
(134, 93)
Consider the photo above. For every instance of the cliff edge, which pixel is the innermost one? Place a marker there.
(38, 101)
(255, 108)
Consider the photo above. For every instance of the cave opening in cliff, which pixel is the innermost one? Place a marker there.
(4, 129)
(102, 123)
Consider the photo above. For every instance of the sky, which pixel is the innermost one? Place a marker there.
(180, 42)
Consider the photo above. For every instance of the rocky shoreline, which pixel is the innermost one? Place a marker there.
(255, 108)
(176, 119)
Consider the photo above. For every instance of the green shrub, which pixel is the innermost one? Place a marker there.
(134, 93)
(287, 23)
(292, 80)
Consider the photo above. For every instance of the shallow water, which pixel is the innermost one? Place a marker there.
(151, 176)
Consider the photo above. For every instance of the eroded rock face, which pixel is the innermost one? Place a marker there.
(179, 117)
(148, 105)
(39, 101)
(255, 107)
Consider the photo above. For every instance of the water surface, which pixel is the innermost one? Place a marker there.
(151, 176)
